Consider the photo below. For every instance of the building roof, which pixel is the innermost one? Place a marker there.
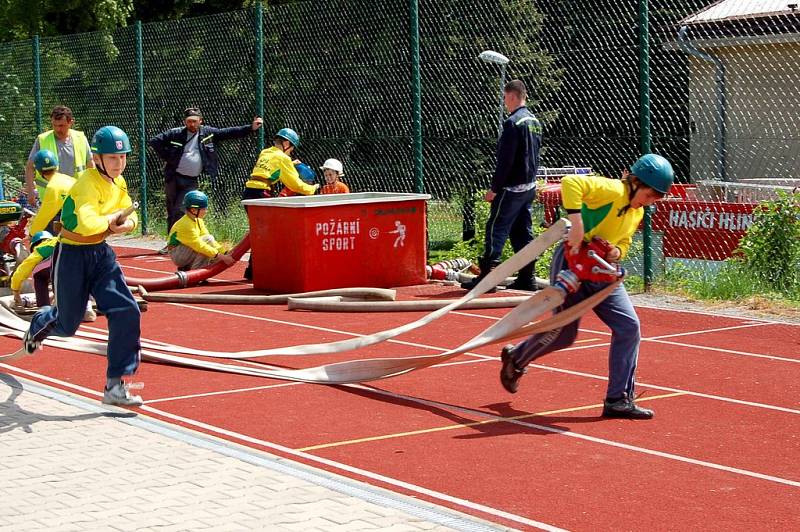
(725, 10)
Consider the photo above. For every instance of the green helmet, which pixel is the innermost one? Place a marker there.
(40, 236)
(109, 140)
(194, 199)
(290, 135)
(655, 172)
(45, 160)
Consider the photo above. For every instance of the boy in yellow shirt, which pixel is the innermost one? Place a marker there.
(53, 195)
(96, 207)
(190, 244)
(609, 209)
(275, 164)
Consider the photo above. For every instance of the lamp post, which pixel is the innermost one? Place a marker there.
(496, 58)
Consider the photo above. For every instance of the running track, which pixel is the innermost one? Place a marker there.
(722, 453)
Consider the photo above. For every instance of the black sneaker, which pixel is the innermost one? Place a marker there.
(625, 408)
(29, 344)
(521, 285)
(509, 374)
(472, 283)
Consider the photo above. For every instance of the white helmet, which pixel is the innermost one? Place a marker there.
(333, 164)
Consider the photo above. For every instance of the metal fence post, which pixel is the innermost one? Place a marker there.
(416, 96)
(37, 84)
(259, 22)
(142, 129)
(644, 132)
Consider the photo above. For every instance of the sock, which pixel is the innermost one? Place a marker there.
(112, 381)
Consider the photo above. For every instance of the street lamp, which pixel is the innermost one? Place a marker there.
(496, 58)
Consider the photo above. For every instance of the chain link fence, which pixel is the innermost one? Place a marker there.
(718, 91)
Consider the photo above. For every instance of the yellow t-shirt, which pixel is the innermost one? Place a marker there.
(55, 193)
(90, 200)
(600, 200)
(190, 233)
(272, 166)
(24, 268)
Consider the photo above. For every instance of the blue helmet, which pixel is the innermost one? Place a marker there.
(194, 199)
(290, 135)
(45, 160)
(307, 174)
(655, 172)
(109, 140)
(39, 236)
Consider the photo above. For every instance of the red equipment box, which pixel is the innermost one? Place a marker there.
(305, 243)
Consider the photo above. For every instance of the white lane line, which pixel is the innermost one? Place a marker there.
(602, 441)
(316, 328)
(224, 392)
(766, 321)
(310, 457)
(564, 432)
(670, 389)
(545, 428)
(548, 368)
(347, 485)
(350, 469)
(726, 351)
(706, 331)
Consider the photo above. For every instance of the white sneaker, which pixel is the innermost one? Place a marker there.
(89, 315)
(164, 250)
(119, 395)
(29, 344)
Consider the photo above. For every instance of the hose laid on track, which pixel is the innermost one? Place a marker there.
(332, 304)
(515, 324)
(530, 252)
(372, 294)
(191, 278)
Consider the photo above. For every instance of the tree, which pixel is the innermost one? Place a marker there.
(22, 19)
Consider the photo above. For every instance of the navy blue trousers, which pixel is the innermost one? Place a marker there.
(81, 271)
(509, 218)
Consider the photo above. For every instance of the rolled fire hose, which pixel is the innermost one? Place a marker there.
(515, 324)
(191, 278)
(332, 304)
(379, 294)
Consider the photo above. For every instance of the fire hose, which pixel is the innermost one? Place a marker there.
(381, 294)
(185, 279)
(515, 324)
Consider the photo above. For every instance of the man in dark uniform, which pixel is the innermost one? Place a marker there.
(513, 187)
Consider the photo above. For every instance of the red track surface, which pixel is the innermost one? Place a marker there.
(723, 452)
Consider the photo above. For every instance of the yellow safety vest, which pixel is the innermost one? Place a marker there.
(47, 141)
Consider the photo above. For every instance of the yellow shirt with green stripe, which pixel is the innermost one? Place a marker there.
(90, 200)
(600, 201)
(24, 268)
(272, 166)
(190, 233)
(55, 193)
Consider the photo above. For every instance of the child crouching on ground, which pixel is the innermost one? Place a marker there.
(190, 244)
(333, 170)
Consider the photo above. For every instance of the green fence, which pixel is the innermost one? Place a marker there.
(396, 90)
